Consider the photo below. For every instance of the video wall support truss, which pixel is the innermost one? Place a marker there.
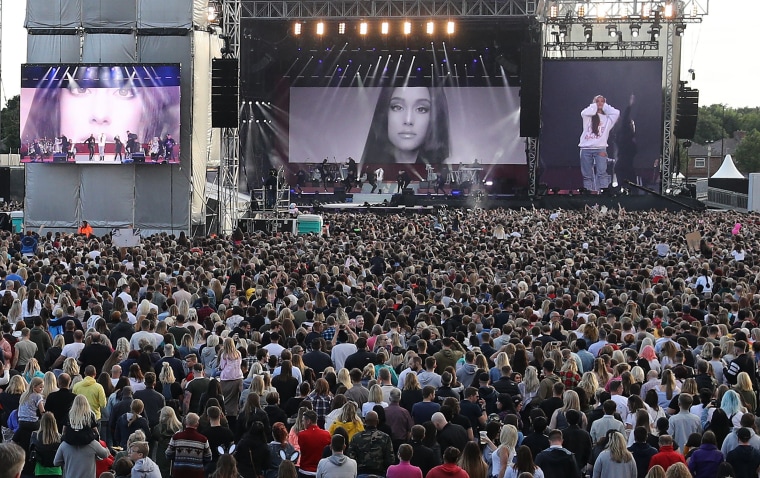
(229, 165)
(668, 110)
(347, 9)
(531, 154)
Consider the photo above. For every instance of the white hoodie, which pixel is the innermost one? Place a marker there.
(590, 140)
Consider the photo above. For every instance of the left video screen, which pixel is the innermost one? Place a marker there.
(100, 113)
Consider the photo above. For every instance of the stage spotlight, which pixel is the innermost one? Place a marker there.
(581, 11)
(562, 30)
(655, 31)
(588, 32)
(320, 28)
(430, 28)
(297, 28)
(363, 27)
(450, 28)
(553, 11)
(635, 30)
(669, 10)
(612, 30)
(384, 28)
(342, 28)
(407, 28)
(680, 29)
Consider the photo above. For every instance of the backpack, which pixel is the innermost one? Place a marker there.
(13, 421)
(732, 371)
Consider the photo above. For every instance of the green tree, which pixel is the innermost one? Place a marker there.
(709, 124)
(747, 154)
(10, 138)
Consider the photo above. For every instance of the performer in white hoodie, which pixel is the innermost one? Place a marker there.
(598, 120)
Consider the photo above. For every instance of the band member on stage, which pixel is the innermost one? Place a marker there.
(410, 125)
(300, 180)
(36, 152)
(270, 189)
(58, 145)
(118, 147)
(72, 151)
(102, 146)
(598, 120)
(370, 177)
(65, 145)
(323, 171)
(350, 174)
(169, 144)
(154, 148)
(133, 146)
(90, 142)
(403, 181)
(440, 181)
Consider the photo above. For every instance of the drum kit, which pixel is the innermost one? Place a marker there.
(335, 172)
(47, 145)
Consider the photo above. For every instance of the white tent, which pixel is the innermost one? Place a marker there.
(727, 170)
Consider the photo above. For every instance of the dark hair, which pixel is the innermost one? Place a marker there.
(524, 460)
(451, 455)
(435, 149)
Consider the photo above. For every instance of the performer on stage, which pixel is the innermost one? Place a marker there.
(323, 171)
(371, 178)
(65, 145)
(270, 189)
(58, 145)
(598, 120)
(36, 152)
(440, 181)
(102, 146)
(118, 146)
(154, 147)
(350, 175)
(300, 180)
(169, 144)
(90, 142)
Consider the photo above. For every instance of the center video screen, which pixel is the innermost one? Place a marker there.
(439, 127)
(100, 114)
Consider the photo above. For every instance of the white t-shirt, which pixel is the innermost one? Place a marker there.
(72, 350)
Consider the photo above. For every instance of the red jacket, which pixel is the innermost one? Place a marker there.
(666, 457)
(312, 442)
(447, 470)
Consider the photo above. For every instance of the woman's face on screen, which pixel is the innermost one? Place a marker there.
(409, 117)
(112, 111)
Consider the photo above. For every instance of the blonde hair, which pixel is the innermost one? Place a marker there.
(617, 447)
(348, 413)
(17, 385)
(229, 350)
(50, 384)
(375, 394)
(36, 381)
(344, 378)
(508, 437)
(531, 379)
(71, 367)
(167, 374)
(80, 413)
(168, 419)
(48, 431)
(743, 382)
(571, 401)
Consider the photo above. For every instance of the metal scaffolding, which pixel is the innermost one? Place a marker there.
(229, 159)
(265, 9)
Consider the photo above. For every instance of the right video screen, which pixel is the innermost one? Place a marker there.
(601, 123)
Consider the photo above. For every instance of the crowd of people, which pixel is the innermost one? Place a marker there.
(480, 344)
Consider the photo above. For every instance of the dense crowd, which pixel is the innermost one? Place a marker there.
(473, 343)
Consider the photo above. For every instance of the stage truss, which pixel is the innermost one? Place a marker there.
(551, 13)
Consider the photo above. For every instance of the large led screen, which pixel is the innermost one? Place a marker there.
(100, 114)
(412, 125)
(601, 123)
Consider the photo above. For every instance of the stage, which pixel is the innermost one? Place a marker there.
(422, 200)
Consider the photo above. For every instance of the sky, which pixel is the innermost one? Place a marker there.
(720, 51)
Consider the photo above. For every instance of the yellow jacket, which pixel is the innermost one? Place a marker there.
(351, 427)
(93, 392)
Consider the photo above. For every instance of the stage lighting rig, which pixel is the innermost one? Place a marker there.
(635, 30)
(612, 30)
(680, 27)
(588, 32)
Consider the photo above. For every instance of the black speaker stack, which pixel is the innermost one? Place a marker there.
(224, 92)
(687, 112)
